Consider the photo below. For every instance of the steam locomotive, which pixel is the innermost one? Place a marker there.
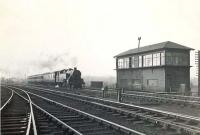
(70, 78)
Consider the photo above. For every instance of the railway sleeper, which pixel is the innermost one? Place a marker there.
(182, 131)
(162, 116)
(15, 132)
(149, 124)
(102, 133)
(13, 122)
(66, 130)
(67, 117)
(19, 125)
(90, 130)
(173, 125)
(46, 128)
(7, 129)
(81, 125)
(193, 122)
(178, 129)
(13, 119)
(50, 128)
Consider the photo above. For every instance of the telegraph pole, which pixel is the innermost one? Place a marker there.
(197, 58)
(198, 73)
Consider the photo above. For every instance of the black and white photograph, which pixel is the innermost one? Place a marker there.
(100, 67)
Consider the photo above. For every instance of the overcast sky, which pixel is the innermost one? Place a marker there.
(45, 35)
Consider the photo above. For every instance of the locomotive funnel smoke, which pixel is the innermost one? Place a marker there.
(49, 63)
(74, 61)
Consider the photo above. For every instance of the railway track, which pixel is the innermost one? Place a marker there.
(46, 123)
(16, 116)
(173, 106)
(143, 97)
(162, 99)
(77, 121)
(165, 95)
(152, 98)
(6, 96)
(171, 123)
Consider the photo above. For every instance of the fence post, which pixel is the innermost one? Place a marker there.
(123, 90)
(119, 95)
(103, 92)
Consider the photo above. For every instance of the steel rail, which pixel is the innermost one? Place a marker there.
(29, 125)
(7, 101)
(188, 98)
(147, 117)
(179, 126)
(164, 98)
(169, 96)
(31, 115)
(67, 126)
(176, 125)
(176, 115)
(155, 96)
(114, 125)
(72, 129)
(191, 102)
(117, 126)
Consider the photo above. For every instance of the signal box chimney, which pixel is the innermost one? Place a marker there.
(139, 38)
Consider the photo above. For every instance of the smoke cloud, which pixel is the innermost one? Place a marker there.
(49, 63)
(41, 63)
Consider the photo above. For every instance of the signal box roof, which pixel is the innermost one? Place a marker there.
(158, 46)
